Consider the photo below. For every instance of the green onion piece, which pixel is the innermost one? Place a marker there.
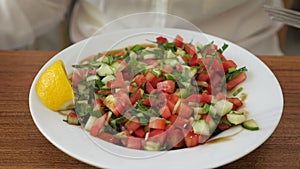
(205, 108)
(129, 120)
(235, 93)
(224, 47)
(232, 69)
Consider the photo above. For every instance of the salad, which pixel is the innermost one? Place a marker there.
(159, 96)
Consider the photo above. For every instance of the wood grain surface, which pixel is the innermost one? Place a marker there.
(23, 146)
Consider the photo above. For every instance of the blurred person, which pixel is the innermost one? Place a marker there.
(241, 21)
(24, 23)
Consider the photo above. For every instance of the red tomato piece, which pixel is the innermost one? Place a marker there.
(178, 121)
(190, 49)
(204, 77)
(157, 123)
(97, 104)
(173, 98)
(161, 39)
(133, 125)
(206, 117)
(139, 80)
(175, 138)
(134, 142)
(146, 102)
(236, 102)
(191, 139)
(155, 81)
(184, 110)
(179, 67)
(149, 88)
(165, 111)
(178, 41)
(236, 80)
(97, 125)
(158, 136)
(75, 78)
(108, 137)
(118, 82)
(140, 132)
(170, 105)
(228, 64)
(136, 96)
(167, 69)
(166, 86)
(149, 76)
(92, 71)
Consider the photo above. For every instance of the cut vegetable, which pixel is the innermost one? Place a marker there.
(250, 125)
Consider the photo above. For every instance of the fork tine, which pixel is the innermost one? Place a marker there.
(283, 15)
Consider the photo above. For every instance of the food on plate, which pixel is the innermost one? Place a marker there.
(160, 96)
(54, 89)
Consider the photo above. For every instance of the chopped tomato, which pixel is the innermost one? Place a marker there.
(133, 142)
(139, 80)
(75, 78)
(136, 96)
(236, 80)
(108, 137)
(236, 102)
(202, 98)
(170, 105)
(204, 77)
(172, 98)
(149, 88)
(155, 81)
(167, 69)
(97, 125)
(184, 110)
(161, 39)
(190, 49)
(175, 138)
(165, 111)
(178, 41)
(178, 121)
(149, 76)
(158, 136)
(206, 117)
(118, 82)
(191, 139)
(157, 123)
(133, 124)
(166, 86)
(228, 64)
(140, 132)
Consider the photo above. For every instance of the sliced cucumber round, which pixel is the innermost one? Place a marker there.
(250, 125)
(236, 118)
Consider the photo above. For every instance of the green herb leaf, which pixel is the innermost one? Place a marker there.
(231, 75)
(224, 47)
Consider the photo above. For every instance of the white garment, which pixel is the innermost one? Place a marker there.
(241, 21)
(22, 21)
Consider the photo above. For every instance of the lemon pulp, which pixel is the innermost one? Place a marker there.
(54, 89)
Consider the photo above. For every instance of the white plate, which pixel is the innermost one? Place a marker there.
(264, 102)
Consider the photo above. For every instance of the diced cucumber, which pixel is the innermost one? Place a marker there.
(92, 77)
(105, 70)
(201, 127)
(180, 52)
(149, 56)
(171, 61)
(90, 123)
(170, 54)
(192, 72)
(82, 88)
(108, 78)
(152, 146)
(236, 117)
(176, 106)
(250, 125)
(156, 72)
(223, 107)
(118, 66)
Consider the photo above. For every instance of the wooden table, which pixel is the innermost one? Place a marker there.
(23, 146)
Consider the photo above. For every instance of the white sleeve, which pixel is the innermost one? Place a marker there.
(23, 21)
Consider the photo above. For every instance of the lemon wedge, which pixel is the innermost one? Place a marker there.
(54, 88)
